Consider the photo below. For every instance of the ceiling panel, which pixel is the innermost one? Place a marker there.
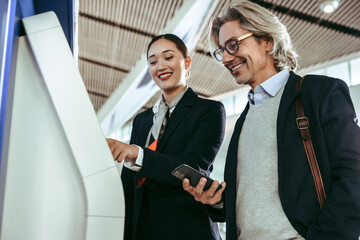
(114, 34)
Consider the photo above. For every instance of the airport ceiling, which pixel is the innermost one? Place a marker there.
(113, 34)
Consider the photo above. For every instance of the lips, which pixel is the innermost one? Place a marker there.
(164, 76)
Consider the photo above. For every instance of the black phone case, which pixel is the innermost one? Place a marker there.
(185, 171)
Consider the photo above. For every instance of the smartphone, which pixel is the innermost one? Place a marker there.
(185, 171)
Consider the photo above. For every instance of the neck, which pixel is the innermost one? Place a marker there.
(263, 76)
(170, 95)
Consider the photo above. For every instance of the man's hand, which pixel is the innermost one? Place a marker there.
(208, 197)
(121, 150)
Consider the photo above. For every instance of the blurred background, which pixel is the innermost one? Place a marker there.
(113, 36)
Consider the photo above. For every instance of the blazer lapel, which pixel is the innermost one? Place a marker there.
(231, 173)
(142, 128)
(287, 98)
(232, 153)
(181, 110)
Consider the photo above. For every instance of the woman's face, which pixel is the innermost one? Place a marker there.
(167, 65)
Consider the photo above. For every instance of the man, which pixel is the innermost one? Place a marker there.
(270, 191)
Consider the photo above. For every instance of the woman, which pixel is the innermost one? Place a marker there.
(180, 128)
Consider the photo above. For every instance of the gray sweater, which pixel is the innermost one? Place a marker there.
(259, 213)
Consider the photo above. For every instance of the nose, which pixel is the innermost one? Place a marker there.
(226, 57)
(161, 65)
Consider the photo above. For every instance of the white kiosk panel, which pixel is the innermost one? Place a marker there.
(61, 181)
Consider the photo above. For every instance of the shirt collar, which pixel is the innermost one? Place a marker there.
(273, 84)
(268, 88)
(172, 104)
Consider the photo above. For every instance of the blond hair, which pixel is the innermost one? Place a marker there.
(263, 24)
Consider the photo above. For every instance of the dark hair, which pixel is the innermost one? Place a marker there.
(173, 38)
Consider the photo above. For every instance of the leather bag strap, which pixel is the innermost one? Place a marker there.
(302, 123)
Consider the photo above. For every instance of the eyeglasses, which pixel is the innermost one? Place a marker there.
(231, 47)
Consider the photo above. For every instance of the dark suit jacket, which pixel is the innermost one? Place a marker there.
(336, 140)
(161, 209)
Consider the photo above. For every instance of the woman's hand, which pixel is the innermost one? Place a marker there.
(210, 196)
(121, 150)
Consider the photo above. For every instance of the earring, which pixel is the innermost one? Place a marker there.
(187, 74)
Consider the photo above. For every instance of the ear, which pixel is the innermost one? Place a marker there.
(187, 62)
(269, 43)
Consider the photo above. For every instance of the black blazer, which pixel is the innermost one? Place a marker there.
(161, 209)
(336, 140)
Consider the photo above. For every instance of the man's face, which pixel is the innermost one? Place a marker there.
(251, 64)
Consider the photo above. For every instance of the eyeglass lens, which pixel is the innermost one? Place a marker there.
(231, 47)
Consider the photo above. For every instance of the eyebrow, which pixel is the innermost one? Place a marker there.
(162, 52)
(228, 41)
(239, 38)
(232, 38)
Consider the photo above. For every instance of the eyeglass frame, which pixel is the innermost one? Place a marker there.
(237, 44)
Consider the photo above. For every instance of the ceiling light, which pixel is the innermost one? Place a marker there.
(329, 6)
